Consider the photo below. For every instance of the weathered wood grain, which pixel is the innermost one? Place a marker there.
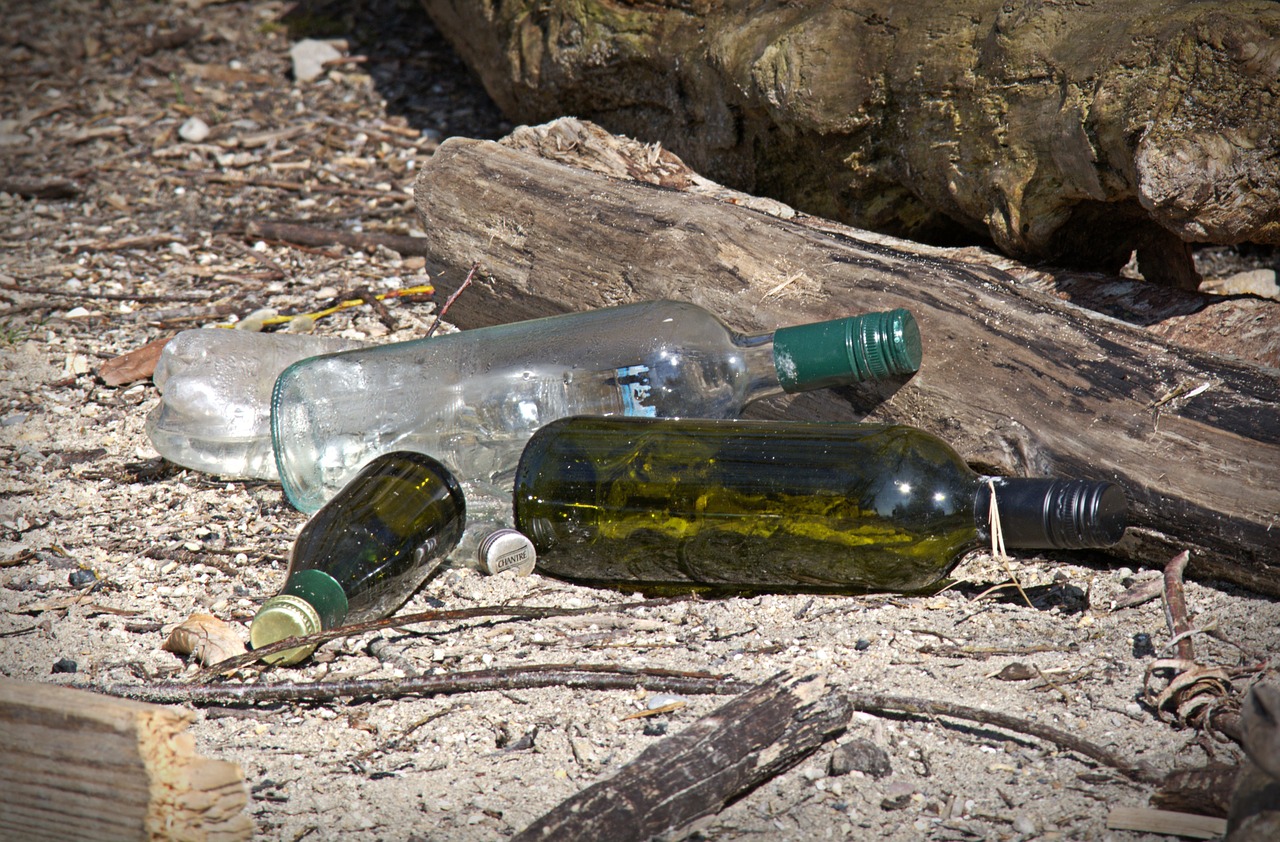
(696, 772)
(76, 765)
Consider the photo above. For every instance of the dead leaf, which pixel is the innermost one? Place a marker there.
(137, 364)
(206, 639)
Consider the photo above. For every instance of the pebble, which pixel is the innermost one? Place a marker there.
(194, 130)
(64, 665)
(860, 755)
(897, 796)
(309, 57)
(661, 700)
(1016, 671)
(1260, 282)
(81, 577)
(1024, 825)
(655, 729)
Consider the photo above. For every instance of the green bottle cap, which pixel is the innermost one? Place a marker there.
(872, 346)
(310, 601)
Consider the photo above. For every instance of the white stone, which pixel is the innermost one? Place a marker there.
(194, 130)
(309, 57)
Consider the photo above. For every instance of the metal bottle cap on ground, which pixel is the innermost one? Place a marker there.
(281, 617)
(507, 549)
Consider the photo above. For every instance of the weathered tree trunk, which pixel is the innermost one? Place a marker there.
(1074, 131)
(1019, 381)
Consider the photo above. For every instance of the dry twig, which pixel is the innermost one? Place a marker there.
(403, 620)
(466, 282)
(293, 233)
(571, 676)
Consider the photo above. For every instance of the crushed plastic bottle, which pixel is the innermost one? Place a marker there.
(215, 406)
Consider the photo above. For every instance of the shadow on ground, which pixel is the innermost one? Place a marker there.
(413, 68)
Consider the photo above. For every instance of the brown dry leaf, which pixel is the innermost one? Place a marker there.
(205, 638)
(137, 364)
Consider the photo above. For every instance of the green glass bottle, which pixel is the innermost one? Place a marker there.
(366, 551)
(679, 505)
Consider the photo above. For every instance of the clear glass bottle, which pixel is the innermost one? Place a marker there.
(214, 413)
(739, 506)
(473, 398)
(366, 551)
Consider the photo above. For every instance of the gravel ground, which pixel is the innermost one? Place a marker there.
(125, 222)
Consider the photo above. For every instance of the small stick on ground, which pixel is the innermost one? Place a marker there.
(1175, 606)
(571, 676)
(596, 677)
(275, 267)
(281, 184)
(105, 296)
(144, 242)
(403, 620)
(293, 233)
(54, 188)
(466, 282)
(880, 703)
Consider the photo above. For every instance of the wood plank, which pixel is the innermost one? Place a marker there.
(76, 765)
(1147, 820)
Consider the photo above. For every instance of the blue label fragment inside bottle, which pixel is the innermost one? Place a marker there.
(633, 384)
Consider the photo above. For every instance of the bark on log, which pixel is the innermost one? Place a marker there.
(1018, 381)
(1073, 131)
(719, 758)
(80, 766)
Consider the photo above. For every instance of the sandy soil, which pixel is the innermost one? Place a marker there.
(104, 547)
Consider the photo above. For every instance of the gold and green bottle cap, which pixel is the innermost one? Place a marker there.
(310, 601)
(872, 346)
(281, 617)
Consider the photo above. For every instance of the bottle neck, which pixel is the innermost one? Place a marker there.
(1051, 513)
(762, 374)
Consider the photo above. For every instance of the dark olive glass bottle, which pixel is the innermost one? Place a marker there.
(366, 551)
(671, 505)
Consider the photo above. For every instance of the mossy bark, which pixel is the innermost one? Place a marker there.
(1077, 132)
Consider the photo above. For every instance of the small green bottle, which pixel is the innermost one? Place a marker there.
(366, 551)
(679, 505)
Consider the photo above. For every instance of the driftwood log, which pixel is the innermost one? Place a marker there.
(1073, 131)
(76, 765)
(1020, 382)
(713, 762)
(1255, 805)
